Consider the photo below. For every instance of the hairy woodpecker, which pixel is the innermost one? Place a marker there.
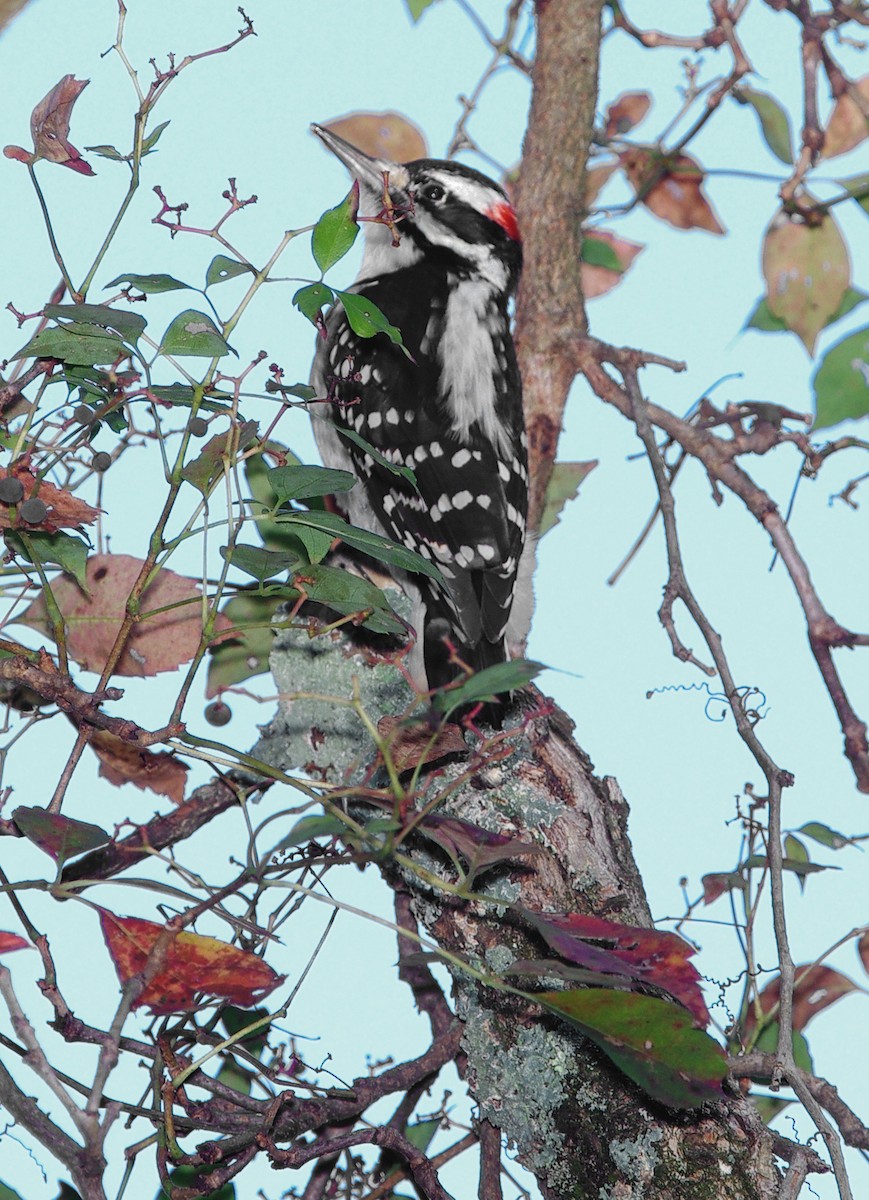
(441, 263)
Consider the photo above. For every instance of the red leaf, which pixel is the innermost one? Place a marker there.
(49, 125)
(816, 989)
(193, 965)
(645, 955)
(11, 941)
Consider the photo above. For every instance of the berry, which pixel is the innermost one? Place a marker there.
(101, 461)
(11, 490)
(198, 427)
(218, 713)
(33, 511)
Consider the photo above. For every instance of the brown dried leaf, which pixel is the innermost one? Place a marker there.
(193, 965)
(382, 135)
(160, 642)
(596, 177)
(65, 511)
(410, 745)
(49, 125)
(598, 280)
(625, 112)
(121, 762)
(671, 188)
(848, 125)
(807, 272)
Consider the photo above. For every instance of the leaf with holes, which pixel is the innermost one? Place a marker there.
(825, 836)
(222, 268)
(336, 231)
(192, 965)
(81, 345)
(807, 272)
(310, 300)
(193, 334)
(167, 634)
(61, 837)
(764, 320)
(652, 1041)
(815, 988)
(129, 325)
(366, 319)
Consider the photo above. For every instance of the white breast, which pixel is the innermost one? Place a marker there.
(467, 358)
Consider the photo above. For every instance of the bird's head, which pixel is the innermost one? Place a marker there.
(440, 211)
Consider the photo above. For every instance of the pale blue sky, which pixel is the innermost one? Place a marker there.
(246, 115)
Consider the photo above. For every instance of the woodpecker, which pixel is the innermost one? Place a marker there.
(441, 260)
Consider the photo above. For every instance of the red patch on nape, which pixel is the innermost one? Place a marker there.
(504, 215)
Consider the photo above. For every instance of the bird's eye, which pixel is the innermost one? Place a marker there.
(433, 192)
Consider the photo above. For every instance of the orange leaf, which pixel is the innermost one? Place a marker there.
(848, 125)
(671, 188)
(193, 965)
(11, 941)
(49, 125)
(382, 135)
(63, 510)
(807, 273)
(160, 642)
(121, 762)
(625, 112)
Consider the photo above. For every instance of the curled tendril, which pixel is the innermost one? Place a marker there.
(754, 714)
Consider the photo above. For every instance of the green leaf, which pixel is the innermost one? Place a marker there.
(60, 549)
(774, 123)
(153, 138)
(309, 828)
(487, 684)
(315, 542)
(81, 345)
(188, 1177)
(299, 482)
(246, 652)
(309, 300)
(421, 1134)
(60, 836)
(352, 436)
(107, 152)
(765, 321)
(841, 382)
(261, 564)
(348, 594)
(858, 187)
(274, 537)
(129, 325)
(194, 334)
(218, 451)
(149, 284)
(563, 485)
(366, 319)
(6, 1192)
(235, 1019)
(598, 253)
(181, 395)
(336, 231)
(824, 835)
(417, 7)
(373, 544)
(222, 268)
(652, 1041)
(769, 1107)
(767, 1042)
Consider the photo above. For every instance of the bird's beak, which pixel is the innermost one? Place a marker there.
(369, 171)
